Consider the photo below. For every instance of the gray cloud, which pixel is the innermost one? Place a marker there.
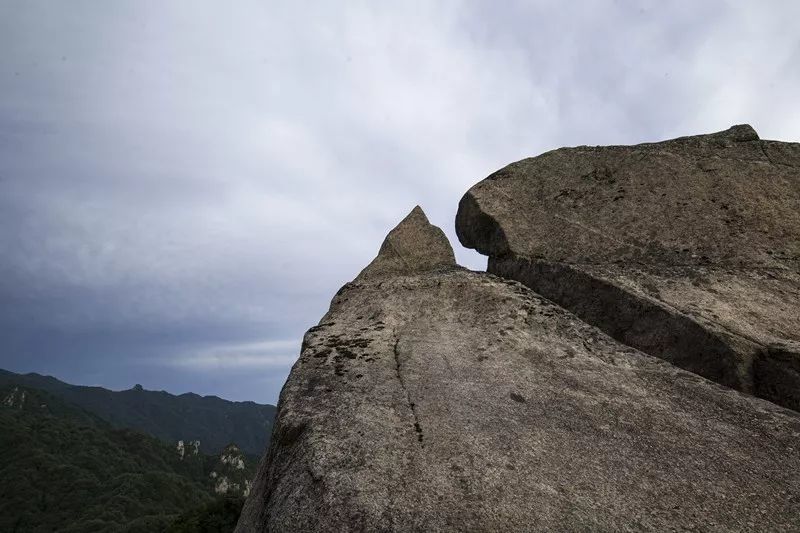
(184, 185)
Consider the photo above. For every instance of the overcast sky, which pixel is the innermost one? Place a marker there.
(185, 185)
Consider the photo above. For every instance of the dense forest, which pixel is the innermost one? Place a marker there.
(217, 516)
(211, 420)
(65, 469)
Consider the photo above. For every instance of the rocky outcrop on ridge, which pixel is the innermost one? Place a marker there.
(439, 399)
(232, 475)
(213, 421)
(687, 249)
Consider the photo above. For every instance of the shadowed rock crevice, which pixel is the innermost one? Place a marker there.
(687, 249)
(640, 322)
(411, 405)
(776, 374)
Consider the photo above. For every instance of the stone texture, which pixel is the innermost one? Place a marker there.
(686, 249)
(439, 399)
(415, 245)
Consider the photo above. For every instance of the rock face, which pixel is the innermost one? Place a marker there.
(231, 475)
(433, 398)
(413, 246)
(687, 249)
(191, 447)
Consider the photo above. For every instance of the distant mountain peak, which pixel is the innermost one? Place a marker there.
(212, 420)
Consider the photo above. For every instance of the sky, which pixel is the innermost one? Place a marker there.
(184, 185)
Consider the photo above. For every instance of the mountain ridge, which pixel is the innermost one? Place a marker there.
(67, 469)
(212, 420)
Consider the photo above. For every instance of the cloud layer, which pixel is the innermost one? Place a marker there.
(184, 185)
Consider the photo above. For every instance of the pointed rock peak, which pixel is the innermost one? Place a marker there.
(735, 134)
(414, 245)
(416, 214)
(738, 133)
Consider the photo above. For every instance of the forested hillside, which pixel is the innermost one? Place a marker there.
(66, 469)
(211, 420)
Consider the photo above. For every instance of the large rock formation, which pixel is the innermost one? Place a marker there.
(433, 398)
(685, 249)
(413, 246)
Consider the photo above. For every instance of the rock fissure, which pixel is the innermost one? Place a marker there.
(766, 154)
(646, 325)
(409, 402)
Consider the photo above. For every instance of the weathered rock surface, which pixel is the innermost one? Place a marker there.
(415, 245)
(686, 249)
(450, 400)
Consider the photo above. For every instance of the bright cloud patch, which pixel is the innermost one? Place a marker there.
(267, 355)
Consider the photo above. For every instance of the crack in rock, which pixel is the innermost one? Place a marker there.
(411, 405)
(764, 151)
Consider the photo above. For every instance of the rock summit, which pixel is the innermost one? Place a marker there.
(598, 378)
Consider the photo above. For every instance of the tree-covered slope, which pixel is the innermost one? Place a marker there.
(211, 420)
(218, 516)
(64, 469)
